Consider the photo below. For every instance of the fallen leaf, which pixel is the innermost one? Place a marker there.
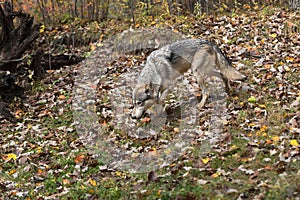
(273, 35)
(79, 158)
(294, 143)
(202, 182)
(205, 160)
(61, 97)
(66, 181)
(19, 114)
(215, 175)
(10, 156)
(12, 171)
(152, 176)
(93, 182)
(146, 119)
(275, 138)
(176, 130)
(118, 173)
(252, 99)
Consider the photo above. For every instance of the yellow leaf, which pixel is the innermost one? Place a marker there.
(12, 171)
(66, 181)
(263, 41)
(262, 106)
(289, 58)
(39, 150)
(246, 6)
(91, 191)
(294, 143)
(167, 151)
(93, 47)
(245, 159)
(252, 99)
(275, 138)
(236, 155)
(176, 130)
(135, 155)
(11, 156)
(273, 35)
(233, 147)
(205, 160)
(256, 7)
(264, 128)
(158, 193)
(42, 28)
(40, 171)
(92, 182)
(99, 44)
(62, 97)
(225, 6)
(118, 173)
(236, 98)
(152, 149)
(287, 69)
(215, 175)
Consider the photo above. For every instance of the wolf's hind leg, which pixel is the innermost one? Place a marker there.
(201, 82)
(227, 87)
(225, 80)
(223, 77)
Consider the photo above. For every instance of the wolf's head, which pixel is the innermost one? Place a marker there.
(143, 97)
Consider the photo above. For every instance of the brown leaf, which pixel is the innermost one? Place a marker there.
(152, 177)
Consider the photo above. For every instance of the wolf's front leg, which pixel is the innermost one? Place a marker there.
(160, 108)
(162, 96)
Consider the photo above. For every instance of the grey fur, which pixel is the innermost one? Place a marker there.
(164, 65)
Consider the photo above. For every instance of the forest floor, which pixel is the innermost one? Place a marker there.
(68, 130)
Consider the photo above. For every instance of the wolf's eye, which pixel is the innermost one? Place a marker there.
(139, 103)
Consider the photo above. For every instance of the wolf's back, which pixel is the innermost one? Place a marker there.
(185, 50)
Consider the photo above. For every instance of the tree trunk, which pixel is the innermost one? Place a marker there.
(15, 36)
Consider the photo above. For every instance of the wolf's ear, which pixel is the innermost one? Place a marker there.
(169, 54)
(149, 88)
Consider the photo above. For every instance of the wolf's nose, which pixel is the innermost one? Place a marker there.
(133, 116)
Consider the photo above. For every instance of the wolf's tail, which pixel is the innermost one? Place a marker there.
(232, 74)
(226, 68)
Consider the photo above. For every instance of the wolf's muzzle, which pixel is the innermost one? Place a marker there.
(137, 114)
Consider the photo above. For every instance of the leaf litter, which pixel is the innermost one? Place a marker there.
(255, 156)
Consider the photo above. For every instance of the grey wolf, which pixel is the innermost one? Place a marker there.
(164, 65)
